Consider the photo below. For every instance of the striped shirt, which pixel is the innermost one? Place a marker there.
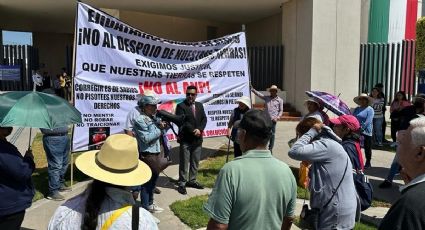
(378, 107)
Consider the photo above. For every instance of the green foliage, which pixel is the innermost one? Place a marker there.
(420, 44)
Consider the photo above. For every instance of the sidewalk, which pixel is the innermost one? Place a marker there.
(38, 216)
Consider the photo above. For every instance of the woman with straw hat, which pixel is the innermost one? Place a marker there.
(364, 114)
(107, 203)
(244, 104)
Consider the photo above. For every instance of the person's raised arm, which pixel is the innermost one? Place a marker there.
(305, 150)
(260, 95)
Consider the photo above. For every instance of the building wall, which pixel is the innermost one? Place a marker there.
(364, 20)
(336, 47)
(322, 41)
(297, 39)
(176, 28)
(267, 31)
(52, 50)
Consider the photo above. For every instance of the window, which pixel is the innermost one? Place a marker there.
(16, 38)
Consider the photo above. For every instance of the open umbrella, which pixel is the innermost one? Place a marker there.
(331, 102)
(36, 110)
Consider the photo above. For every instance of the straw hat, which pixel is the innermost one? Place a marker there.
(245, 100)
(314, 100)
(273, 87)
(117, 162)
(363, 95)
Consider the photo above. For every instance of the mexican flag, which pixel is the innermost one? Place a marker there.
(392, 20)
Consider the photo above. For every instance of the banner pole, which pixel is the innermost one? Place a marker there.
(249, 71)
(74, 53)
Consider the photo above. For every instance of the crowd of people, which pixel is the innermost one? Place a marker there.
(60, 85)
(127, 167)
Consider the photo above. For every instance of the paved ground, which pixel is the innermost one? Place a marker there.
(38, 215)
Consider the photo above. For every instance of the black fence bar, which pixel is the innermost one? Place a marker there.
(266, 66)
(392, 64)
(27, 58)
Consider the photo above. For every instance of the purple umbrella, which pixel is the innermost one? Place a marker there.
(331, 102)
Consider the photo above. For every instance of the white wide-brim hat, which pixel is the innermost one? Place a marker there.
(363, 95)
(245, 100)
(117, 162)
(273, 87)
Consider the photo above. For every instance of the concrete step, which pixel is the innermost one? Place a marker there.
(292, 114)
(289, 118)
(289, 112)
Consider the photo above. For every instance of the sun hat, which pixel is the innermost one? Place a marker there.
(245, 100)
(314, 100)
(147, 98)
(348, 121)
(117, 162)
(363, 95)
(273, 87)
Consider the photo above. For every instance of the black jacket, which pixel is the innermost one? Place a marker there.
(408, 212)
(186, 134)
(16, 188)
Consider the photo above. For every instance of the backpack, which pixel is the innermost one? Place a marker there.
(361, 182)
(364, 189)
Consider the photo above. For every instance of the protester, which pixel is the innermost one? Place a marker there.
(380, 87)
(331, 180)
(405, 115)
(68, 84)
(56, 145)
(254, 191)
(315, 109)
(63, 89)
(347, 128)
(378, 117)
(244, 104)
(274, 106)
(147, 129)
(16, 188)
(364, 114)
(107, 203)
(400, 102)
(37, 79)
(408, 212)
(57, 86)
(132, 116)
(190, 139)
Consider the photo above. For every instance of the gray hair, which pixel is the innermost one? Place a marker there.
(418, 131)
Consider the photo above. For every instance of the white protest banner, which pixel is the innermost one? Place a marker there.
(115, 62)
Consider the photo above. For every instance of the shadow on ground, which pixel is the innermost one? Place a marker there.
(167, 181)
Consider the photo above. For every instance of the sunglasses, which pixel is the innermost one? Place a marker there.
(190, 94)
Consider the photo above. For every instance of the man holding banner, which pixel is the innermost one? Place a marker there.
(190, 139)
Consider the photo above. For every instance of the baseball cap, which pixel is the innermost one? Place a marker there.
(348, 121)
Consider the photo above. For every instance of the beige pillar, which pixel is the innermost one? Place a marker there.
(322, 45)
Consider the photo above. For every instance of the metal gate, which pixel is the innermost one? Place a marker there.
(392, 64)
(266, 66)
(27, 58)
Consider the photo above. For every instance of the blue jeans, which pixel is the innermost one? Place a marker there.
(146, 192)
(395, 168)
(57, 152)
(271, 143)
(377, 130)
